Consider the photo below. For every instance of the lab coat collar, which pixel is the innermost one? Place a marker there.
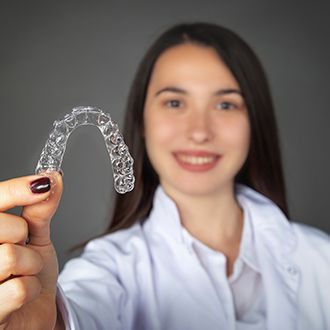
(266, 218)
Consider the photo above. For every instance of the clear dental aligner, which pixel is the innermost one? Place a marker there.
(122, 163)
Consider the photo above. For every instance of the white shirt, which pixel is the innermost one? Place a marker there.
(156, 276)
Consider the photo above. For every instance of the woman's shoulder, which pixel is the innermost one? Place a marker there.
(311, 233)
(124, 247)
(122, 241)
(312, 240)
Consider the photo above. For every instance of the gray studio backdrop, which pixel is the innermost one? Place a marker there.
(59, 54)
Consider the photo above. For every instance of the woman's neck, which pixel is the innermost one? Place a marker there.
(215, 219)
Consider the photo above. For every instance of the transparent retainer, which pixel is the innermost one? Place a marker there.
(122, 163)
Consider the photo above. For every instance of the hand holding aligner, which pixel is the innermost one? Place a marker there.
(122, 163)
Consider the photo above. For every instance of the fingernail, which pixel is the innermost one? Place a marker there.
(40, 185)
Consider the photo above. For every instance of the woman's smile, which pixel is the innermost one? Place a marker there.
(196, 161)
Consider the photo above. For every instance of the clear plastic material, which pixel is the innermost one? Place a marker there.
(122, 163)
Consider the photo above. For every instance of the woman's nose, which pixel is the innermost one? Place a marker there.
(199, 128)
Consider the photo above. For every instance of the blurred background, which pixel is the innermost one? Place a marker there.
(59, 54)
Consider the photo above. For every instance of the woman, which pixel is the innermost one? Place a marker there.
(203, 241)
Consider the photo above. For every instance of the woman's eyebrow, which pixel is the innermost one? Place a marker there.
(219, 92)
(172, 89)
(228, 91)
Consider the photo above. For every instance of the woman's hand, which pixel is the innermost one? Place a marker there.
(28, 262)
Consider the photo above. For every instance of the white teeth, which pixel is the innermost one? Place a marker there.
(194, 160)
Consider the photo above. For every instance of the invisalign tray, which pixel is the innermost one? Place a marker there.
(122, 163)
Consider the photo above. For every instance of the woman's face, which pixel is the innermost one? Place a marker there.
(196, 124)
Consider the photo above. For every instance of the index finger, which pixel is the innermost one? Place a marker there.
(17, 192)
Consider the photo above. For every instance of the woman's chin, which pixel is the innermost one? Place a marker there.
(196, 189)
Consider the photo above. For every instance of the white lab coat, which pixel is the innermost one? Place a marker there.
(144, 277)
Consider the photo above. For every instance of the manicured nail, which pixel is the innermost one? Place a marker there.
(40, 185)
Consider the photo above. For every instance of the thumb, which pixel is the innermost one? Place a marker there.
(39, 215)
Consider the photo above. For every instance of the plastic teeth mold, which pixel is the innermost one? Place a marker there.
(122, 163)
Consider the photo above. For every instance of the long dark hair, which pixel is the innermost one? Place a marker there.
(262, 170)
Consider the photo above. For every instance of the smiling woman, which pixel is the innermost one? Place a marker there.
(204, 241)
(239, 84)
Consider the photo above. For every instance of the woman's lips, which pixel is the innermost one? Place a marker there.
(197, 161)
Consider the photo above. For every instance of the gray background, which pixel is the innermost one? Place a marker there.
(59, 54)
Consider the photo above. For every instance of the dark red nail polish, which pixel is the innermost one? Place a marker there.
(40, 185)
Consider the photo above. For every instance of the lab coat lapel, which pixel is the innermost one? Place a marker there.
(275, 240)
(281, 282)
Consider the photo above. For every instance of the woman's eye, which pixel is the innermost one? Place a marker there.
(173, 104)
(226, 105)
